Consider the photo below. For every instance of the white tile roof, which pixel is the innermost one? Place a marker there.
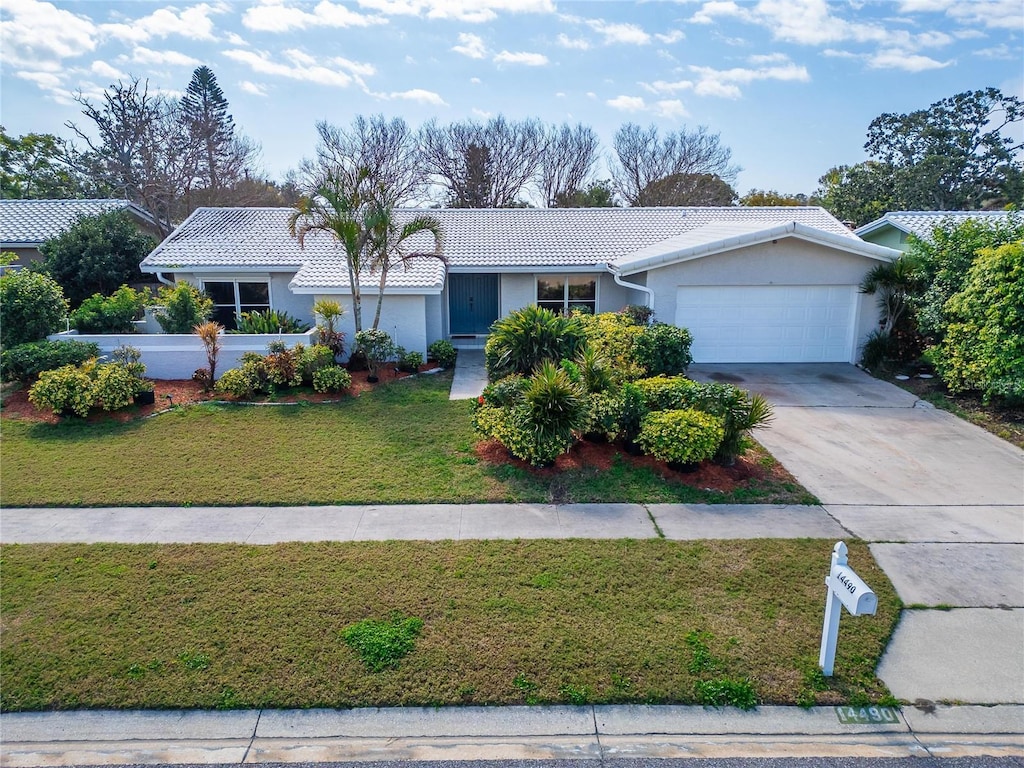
(921, 223)
(419, 276)
(494, 239)
(32, 222)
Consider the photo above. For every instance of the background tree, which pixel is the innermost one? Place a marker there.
(758, 198)
(642, 157)
(41, 166)
(32, 306)
(97, 254)
(567, 163)
(388, 150)
(860, 193)
(598, 194)
(483, 165)
(701, 189)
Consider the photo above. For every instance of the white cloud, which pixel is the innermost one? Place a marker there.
(671, 108)
(769, 58)
(627, 103)
(254, 89)
(521, 57)
(106, 71)
(483, 114)
(281, 16)
(234, 39)
(39, 36)
(475, 80)
(591, 95)
(672, 37)
(142, 55)
(421, 96)
(575, 43)
(629, 34)
(1001, 51)
(725, 83)
(193, 23)
(895, 59)
(335, 72)
(709, 11)
(993, 14)
(469, 11)
(471, 46)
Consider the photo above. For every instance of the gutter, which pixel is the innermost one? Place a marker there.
(164, 280)
(633, 286)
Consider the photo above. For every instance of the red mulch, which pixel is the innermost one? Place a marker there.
(186, 392)
(708, 476)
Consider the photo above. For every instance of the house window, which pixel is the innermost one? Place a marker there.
(232, 298)
(561, 294)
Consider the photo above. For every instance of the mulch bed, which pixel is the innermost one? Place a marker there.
(187, 392)
(600, 456)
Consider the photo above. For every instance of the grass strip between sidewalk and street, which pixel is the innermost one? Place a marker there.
(405, 442)
(503, 622)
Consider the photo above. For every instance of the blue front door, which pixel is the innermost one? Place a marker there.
(472, 303)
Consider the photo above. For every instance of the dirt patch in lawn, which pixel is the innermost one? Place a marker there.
(168, 392)
(754, 466)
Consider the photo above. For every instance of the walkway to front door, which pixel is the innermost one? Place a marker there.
(470, 375)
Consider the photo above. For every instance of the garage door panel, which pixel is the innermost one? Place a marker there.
(754, 324)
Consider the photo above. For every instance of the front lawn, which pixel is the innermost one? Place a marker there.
(504, 622)
(401, 443)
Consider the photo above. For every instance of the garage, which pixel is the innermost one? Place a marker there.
(769, 323)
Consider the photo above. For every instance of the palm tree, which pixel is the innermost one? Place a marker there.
(894, 282)
(386, 244)
(343, 208)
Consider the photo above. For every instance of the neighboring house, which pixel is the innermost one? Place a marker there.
(27, 224)
(894, 229)
(751, 284)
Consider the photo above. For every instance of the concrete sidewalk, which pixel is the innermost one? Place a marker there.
(489, 733)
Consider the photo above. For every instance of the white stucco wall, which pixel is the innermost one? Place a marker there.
(435, 309)
(516, 291)
(788, 261)
(402, 316)
(178, 355)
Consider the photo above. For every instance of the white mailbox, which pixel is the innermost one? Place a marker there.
(844, 588)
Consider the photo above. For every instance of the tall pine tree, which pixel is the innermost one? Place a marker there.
(205, 111)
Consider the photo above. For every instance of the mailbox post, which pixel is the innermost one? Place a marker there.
(844, 588)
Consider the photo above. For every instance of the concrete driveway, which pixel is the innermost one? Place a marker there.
(940, 500)
(852, 439)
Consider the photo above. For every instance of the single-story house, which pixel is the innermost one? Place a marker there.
(27, 224)
(894, 229)
(751, 284)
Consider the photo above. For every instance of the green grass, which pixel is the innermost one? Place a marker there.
(506, 622)
(402, 443)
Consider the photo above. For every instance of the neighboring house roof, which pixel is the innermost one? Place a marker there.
(498, 240)
(921, 223)
(30, 223)
(726, 236)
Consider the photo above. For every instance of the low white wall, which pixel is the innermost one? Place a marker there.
(178, 355)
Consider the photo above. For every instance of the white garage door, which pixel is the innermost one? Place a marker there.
(768, 324)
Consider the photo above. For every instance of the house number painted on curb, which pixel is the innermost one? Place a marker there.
(844, 588)
(866, 715)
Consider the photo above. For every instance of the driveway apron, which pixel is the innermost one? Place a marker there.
(940, 500)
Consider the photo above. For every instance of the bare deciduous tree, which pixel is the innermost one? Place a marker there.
(567, 163)
(643, 158)
(483, 165)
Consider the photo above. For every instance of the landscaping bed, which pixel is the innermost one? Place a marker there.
(578, 621)
(404, 442)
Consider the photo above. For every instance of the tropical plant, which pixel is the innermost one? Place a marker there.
(408, 362)
(378, 347)
(556, 405)
(110, 314)
(686, 436)
(269, 321)
(182, 308)
(894, 282)
(663, 349)
(25, 362)
(442, 352)
(32, 306)
(312, 359)
(130, 358)
(332, 378)
(525, 338)
(330, 313)
(209, 333)
(594, 372)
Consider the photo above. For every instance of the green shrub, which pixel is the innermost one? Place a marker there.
(270, 321)
(32, 306)
(663, 349)
(612, 335)
(378, 347)
(556, 404)
(632, 411)
(383, 644)
(330, 312)
(514, 428)
(66, 390)
(25, 362)
(506, 392)
(282, 366)
(662, 393)
(313, 358)
(409, 362)
(110, 314)
(525, 338)
(245, 381)
(684, 436)
(442, 352)
(113, 386)
(183, 307)
(595, 374)
(332, 379)
(638, 313)
(983, 349)
(604, 414)
(878, 349)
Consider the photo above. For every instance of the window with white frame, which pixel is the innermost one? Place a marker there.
(564, 293)
(233, 297)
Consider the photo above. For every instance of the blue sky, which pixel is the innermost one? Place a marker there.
(790, 85)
